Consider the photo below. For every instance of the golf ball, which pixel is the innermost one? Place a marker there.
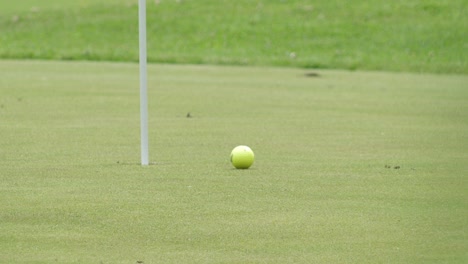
(242, 157)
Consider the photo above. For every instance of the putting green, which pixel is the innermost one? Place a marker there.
(350, 167)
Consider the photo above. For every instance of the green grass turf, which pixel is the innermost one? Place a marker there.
(25, 6)
(351, 167)
(416, 35)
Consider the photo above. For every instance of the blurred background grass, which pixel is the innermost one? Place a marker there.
(415, 35)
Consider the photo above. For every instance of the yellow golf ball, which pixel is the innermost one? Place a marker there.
(242, 157)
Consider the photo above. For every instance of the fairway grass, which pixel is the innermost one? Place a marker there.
(351, 167)
(413, 36)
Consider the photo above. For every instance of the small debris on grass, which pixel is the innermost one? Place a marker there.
(312, 74)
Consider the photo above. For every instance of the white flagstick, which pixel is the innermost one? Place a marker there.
(143, 84)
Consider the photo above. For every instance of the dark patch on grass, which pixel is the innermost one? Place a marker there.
(394, 167)
(133, 163)
(312, 74)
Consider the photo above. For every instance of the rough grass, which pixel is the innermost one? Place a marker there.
(350, 167)
(417, 35)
